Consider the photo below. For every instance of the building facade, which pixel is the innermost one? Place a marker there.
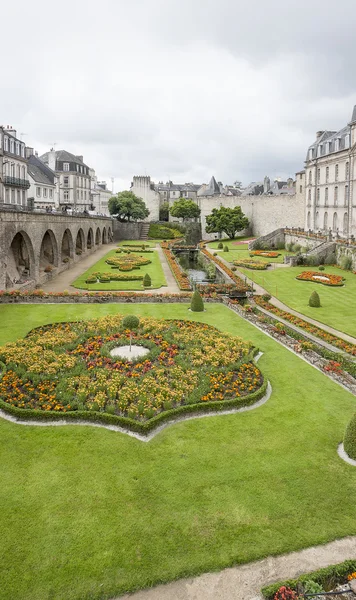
(99, 195)
(14, 183)
(73, 179)
(43, 183)
(330, 187)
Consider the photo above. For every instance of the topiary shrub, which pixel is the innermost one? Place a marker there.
(346, 263)
(266, 297)
(215, 254)
(147, 281)
(196, 303)
(321, 268)
(131, 322)
(226, 249)
(350, 438)
(220, 245)
(314, 300)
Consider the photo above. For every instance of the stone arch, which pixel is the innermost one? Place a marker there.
(325, 221)
(104, 236)
(309, 220)
(345, 225)
(80, 242)
(49, 250)
(20, 259)
(335, 221)
(110, 237)
(67, 247)
(97, 237)
(90, 239)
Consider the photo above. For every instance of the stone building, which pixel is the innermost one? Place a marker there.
(43, 182)
(330, 188)
(99, 195)
(73, 179)
(13, 171)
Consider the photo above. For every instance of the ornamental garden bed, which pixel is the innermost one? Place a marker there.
(67, 370)
(265, 253)
(242, 287)
(322, 277)
(252, 264)
(179, 274)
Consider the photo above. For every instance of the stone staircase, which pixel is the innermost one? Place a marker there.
(322, 249)
(144, 231)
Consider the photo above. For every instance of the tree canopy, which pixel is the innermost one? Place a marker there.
(128, 207)
(184, 209)
(226, 220)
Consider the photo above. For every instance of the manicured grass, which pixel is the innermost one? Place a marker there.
(338, 304)
(241, 251)
(88, 513)
(154, 269)
(150, 243)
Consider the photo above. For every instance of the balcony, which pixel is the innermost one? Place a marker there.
(16, 182)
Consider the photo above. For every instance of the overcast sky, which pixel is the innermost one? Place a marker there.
(178, 89)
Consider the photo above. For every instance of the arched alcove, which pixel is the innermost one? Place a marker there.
(49, 250)
(20, 260)
(67, 246)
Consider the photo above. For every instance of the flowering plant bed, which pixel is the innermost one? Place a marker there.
(129, 249)
(252, 264)
(67, 368)
(127, 262)
(107, 277)
(214, 289)
(317, 331)
(265, 253)
(241, 286)
(178, 273)
(321, 277)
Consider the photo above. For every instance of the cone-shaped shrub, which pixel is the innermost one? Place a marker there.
(226, 248)
(196, 304)
(314, 300)
(147, 280)
(220, 245)
(350, 438)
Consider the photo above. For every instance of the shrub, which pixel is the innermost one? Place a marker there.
(300, 260)
(330, 259)
(163, 232)
(233, 269)
(285, 593)
(215, 254)
(312, 587)
(314, 300)
(346, 263)
(65, 259)
(296, 247)
(147, 281)
(220, 245)
(289, 247)
(314, 261)
(196, 304)
(280, 245)
(350, 438)
(321, 268)
(266, 297)
(226, 249)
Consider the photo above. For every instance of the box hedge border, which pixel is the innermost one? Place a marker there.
(328, 576)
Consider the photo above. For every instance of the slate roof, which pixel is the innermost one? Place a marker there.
(63, 156)
(212, 189)
(39, 172)
(353, 118)
(185, 187)
(327, 141)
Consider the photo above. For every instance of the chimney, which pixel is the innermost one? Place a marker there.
(319, 134)
(52, 159)
(29, 152)
(79, 157)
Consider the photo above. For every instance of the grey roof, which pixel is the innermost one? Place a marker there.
(212, 189)
(39, 172)
(353, 118)
(184, 187)
(327, 142)
(63, 156)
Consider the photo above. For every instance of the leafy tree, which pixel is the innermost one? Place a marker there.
(164, 212)
(184, 209)
(226, 220)
(128, 207)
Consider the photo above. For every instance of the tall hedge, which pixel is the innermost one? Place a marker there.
(350, 438)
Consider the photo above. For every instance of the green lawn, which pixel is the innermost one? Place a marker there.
(338, 304)
(150, 243)
(154, 269)
(240, 251)
(88, 513)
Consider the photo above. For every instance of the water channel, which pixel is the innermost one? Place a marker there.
(199, 269)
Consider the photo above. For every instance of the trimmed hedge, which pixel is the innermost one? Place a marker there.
(163, 232)
(328, 578)
(350, 438)
(314, 300)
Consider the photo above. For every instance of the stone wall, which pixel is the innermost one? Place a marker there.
(126, 231)
(265, 213)
(342, 251)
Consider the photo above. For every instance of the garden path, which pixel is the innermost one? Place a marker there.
(63, 281)
(245, 581)
(259, 290)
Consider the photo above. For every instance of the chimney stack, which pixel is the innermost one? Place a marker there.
(319, 134)
(29, 152)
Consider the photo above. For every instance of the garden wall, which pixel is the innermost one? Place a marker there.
(126, 231)
(342, 251)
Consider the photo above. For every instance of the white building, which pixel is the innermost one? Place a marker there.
(73, 179)
(330, 173)
(13, 171)
(43, 182)
(99, 194)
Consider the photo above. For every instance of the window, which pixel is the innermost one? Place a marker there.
(325, 221)
(317, 197)
(12, 171)
(311, 154)
(18, 197)
(336, 172)
(346, 195)
(337, 144)
(18, 172)
(7, 196)
(317, 221)
(336, 195)
(12, 196)
(347, 171)
(81, 195)
(309, 196)
(66, 181)
(318, 176)
(77, 194)
(45, 192)
(65, 166)
(77, 167)
(310, 177)
(345, 223)
(77, 181)
(50, 193)
(326, 196)
(327, 175)
(347, 141)
(66, 194)
(335, 221)
(85, 195)
(300, 176)
(23, 173)
(38, 192)
(300, 189)
(12, 146)
(23, 150)
(6, 143)
(23, 198)
(18, 148)
(308, 220)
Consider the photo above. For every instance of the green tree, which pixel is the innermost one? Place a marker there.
(226, 220)
(128, 207)
(164, 211)
(184, 209)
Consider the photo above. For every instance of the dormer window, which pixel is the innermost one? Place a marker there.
(12, 146)
(311, 154)
(319, 150)
(347, 140)
(65, 166)
(6, 143)
(337, 144)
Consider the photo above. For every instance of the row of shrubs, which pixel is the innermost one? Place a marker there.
(163, 232)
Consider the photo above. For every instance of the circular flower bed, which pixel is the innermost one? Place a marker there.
(265, 253)
(257, 265)
(68, 368)
(323, 278)
(127, 262)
